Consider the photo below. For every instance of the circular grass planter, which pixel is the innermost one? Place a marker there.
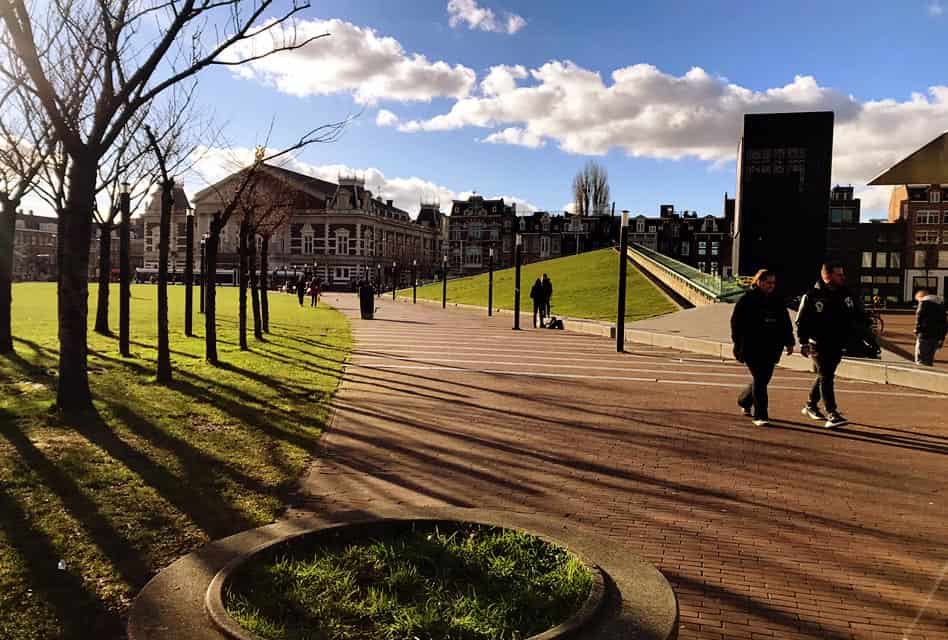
(398, 556)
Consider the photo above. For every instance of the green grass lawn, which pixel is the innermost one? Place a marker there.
(457, 582)
(584, 286)
(156, 471)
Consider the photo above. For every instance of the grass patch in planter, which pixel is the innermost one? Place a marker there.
(431, 582)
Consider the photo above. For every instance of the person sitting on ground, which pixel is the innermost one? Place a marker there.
(930, 327)
(760, 330)
(536, 294)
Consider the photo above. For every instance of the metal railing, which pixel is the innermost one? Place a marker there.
(711, 285)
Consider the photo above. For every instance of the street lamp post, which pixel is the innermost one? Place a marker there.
(623, 265)
(490, 281)
(414, 282)
(203, 274)
(394, 279)
(444, 281)
(517, 282)
(125, 268)
(189, 274)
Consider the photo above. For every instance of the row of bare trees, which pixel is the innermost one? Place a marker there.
(79, 81)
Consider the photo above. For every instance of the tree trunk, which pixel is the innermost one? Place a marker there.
(210, 290)
(242, 280)
(7, 233)
(264, 284)
(125, 277)
(75, 232)
(164, 240)
(254, 290)
(105, 278)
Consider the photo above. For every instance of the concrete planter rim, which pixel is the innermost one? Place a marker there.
(222, 620)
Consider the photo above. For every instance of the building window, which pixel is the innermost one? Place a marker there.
(685, 249)
(342, 242)
(308, 244)
(867, 259)
(895, 260)
(714, 268)
(926, 217)
(926, 236)
(943, 259)
(702, 248)
(865, 279)
(919, 282)
(840, 215)
(934, 195)
(881, 260)
(651, 228)
(715, 247)
(701, 265)
(640, 226)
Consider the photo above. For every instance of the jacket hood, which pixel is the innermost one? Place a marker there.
(930, 298)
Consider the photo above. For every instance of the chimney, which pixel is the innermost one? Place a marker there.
(388, 203)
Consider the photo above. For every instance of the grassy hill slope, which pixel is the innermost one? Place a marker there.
(584, 286)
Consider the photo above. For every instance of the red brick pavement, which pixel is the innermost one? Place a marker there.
(782, 532)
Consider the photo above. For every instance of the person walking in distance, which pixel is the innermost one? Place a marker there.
(547, 298)
(314, 292)
(301, 289)
(760, 330)
(536, 294)
(827, 318)
(930, 327)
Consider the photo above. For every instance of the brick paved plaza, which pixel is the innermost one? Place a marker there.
(789, 531)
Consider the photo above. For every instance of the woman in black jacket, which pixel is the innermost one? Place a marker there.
(760, 330)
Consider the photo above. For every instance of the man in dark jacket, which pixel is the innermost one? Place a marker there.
(301, 289)
(547, 296)
(536, 294)
(827, 318)
(760, 330)
(930, 327)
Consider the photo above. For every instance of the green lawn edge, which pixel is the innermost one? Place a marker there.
(584, 286)
(93, 508)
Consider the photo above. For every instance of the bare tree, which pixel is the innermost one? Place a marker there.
(93, 65)
(243, 182)
(591, 189)
(25, 147)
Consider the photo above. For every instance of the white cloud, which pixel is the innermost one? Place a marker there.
(516, 136)
(350, 59)
(213, 163)
(476, 17)
(935, 8)
(649, 113)
(386, 118)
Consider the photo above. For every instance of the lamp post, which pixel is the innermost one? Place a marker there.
(189, 273)
(125, 268)
(623, 264)
(517, 282)
(490, 281)
(394, 279)
(378, 280)
(414, 282)
(444, 281)
(203, 274)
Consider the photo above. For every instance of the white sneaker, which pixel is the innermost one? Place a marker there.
(761, 422)
(835, 419)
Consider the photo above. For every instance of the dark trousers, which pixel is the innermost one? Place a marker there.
(300, 295)
(826, 363)
(313, 301)
(755, 394)
(537, 309)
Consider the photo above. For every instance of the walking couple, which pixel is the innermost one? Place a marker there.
(761, 330)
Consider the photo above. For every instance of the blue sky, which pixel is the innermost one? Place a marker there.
(665, 132)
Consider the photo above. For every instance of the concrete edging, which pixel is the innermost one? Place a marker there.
(637, 597)
(214, 603)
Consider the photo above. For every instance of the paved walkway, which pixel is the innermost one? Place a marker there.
(783, 532)
(899, 337)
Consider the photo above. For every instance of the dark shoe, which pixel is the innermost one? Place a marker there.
(745, 411)
(834, 420)
(813, 413)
